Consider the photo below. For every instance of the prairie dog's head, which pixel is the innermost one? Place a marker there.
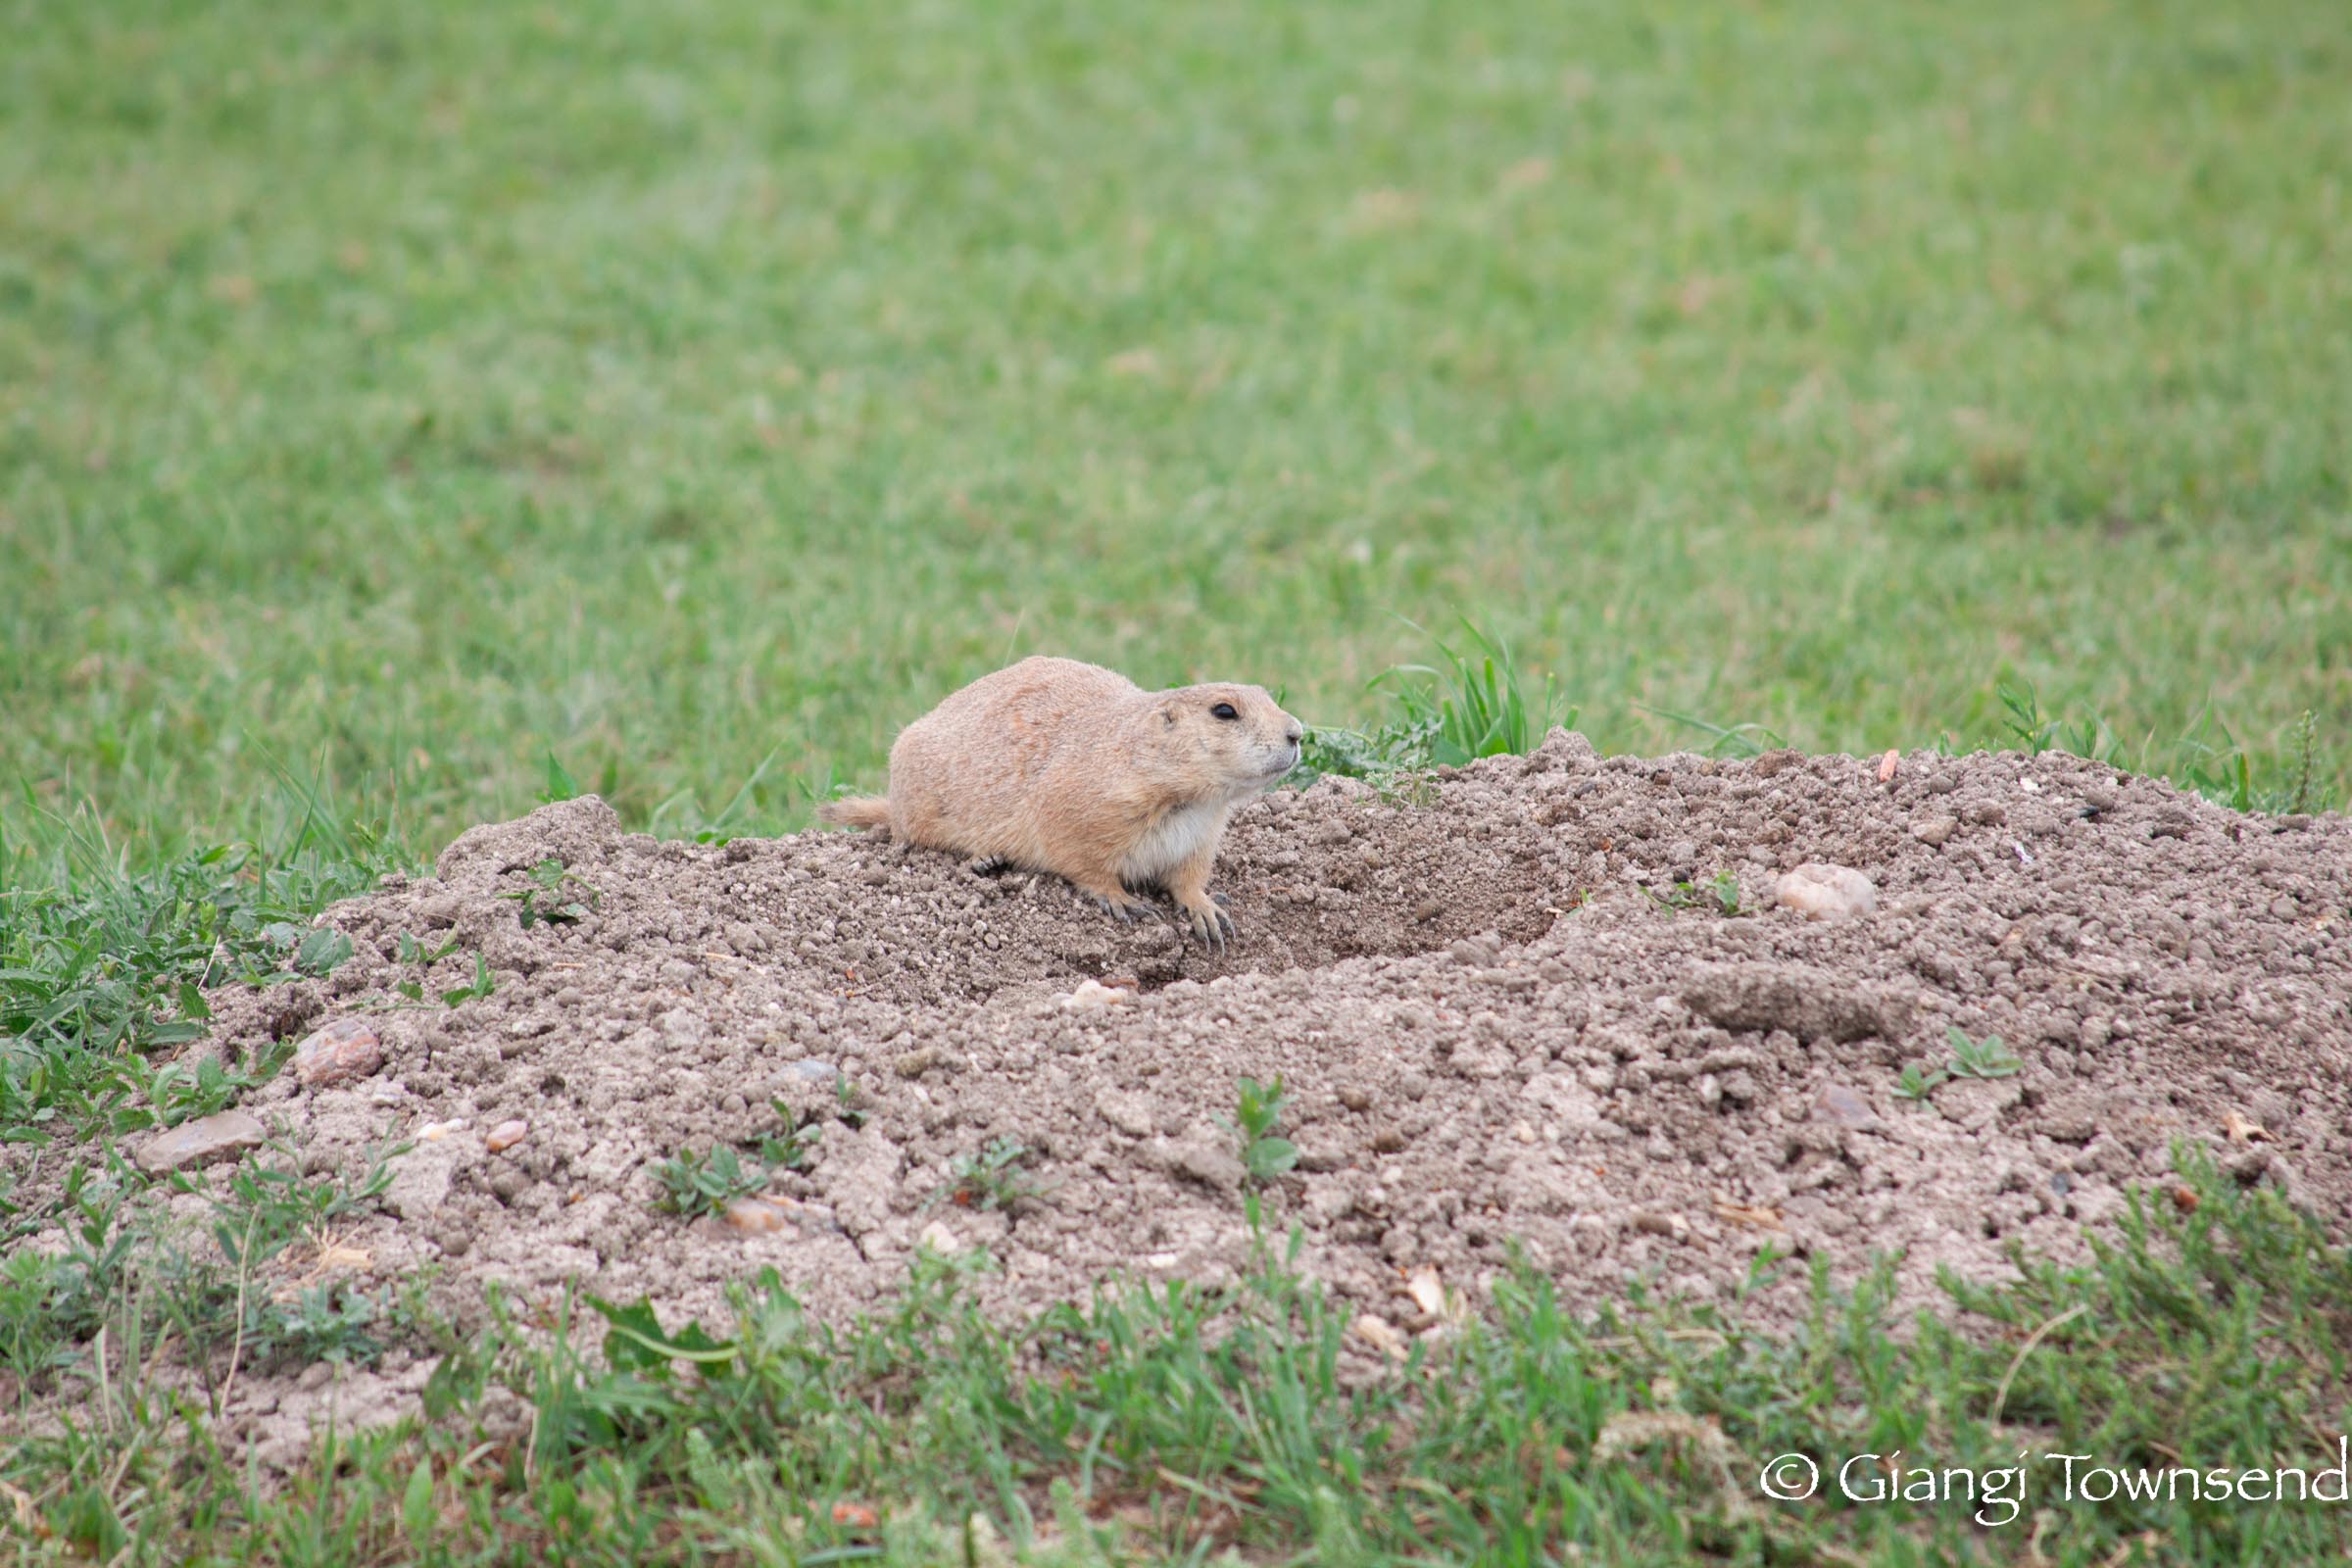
(1235, 735)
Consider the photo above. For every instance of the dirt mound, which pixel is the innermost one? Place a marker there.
(1499, 1017)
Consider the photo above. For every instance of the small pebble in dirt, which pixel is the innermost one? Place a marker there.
(937, 1238)
(1382, 1336)
(1092, 996)
(1657, 1224)
(757, 1216)
(203, 1141)
(504, 1136)
(1129, 1114)
(1842, 1105)
(1936, 831)
(338, 1053)
(432, 1132)
(1819, 890)
(1428, 909)
(1211, 1166)
(1355, 1099)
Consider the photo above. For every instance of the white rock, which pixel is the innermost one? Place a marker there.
(1092, 996)
(1819, 890)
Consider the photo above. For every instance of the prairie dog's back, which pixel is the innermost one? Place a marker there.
(1013, 722)
(967, 775)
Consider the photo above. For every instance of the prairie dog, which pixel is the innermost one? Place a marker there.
(1068, 767)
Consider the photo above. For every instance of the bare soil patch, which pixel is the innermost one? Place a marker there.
(1496, 1025)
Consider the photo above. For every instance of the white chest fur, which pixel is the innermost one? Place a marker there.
(1173, 840)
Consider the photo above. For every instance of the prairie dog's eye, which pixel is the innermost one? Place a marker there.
(1223, 711)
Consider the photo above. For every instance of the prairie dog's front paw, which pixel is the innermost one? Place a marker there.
(1209, 924)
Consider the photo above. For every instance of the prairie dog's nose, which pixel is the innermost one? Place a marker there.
(1295, 733)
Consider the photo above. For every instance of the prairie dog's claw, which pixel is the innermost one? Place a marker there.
(1126, 910)
(1211, 926)
(1221, 902)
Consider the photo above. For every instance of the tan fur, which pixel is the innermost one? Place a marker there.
(1068, 768)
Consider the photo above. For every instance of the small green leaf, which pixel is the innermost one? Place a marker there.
(456, 1382)
(637, 1343)
(417, 1502)
(481, 986)
(321, 951)
(559, 783)
(634, 1341)
(1271, 1156)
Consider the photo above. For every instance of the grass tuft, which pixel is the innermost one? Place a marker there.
(1474, 705)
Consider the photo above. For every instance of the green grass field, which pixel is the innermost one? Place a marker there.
(395, 399)
(404, 393)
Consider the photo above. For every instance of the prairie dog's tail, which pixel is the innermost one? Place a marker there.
(857, 810)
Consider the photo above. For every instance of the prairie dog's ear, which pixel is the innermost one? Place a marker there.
(1167, 714)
